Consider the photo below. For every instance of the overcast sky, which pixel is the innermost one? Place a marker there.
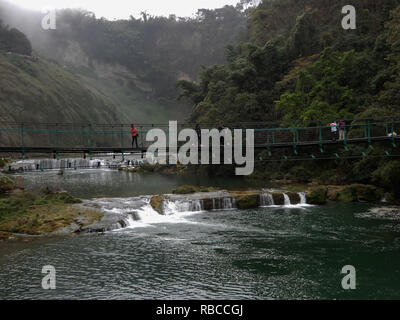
(112, 9)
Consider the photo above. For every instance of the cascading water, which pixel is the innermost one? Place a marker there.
(303, 198)
(172, 207)
(287, 199)
(138, 212)
(57, 164)
(266, 199)
(224, 203)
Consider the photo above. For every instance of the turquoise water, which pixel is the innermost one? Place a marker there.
(267, 253)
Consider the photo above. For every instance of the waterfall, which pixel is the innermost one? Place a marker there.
(172, 207)
(303, 198)
(224, 203)
(54, 164)
(266, 199)
(287, 199)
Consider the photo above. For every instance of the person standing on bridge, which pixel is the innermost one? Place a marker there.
(342, 128)
(333, 126)
(135, 135)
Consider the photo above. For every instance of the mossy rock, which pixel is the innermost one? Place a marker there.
(248, 201)
(317, 196)
(207, 189)
(61, 198)
(157, 203)
(279, 198)
(133, 170)
(392, 198)
(6, 184)
(359, 192)
(294, 197)
(185, 190)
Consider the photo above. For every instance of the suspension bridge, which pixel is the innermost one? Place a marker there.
(93, 139)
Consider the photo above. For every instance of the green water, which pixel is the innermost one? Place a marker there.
(268, 253)
(111, 183)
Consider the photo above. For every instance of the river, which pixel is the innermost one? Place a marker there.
(286, 252)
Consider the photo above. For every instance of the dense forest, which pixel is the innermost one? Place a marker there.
(298, 66)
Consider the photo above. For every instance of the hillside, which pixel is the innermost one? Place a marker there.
(133, 64)
(281, 70)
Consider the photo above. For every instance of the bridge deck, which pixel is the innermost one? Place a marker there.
(113, 150)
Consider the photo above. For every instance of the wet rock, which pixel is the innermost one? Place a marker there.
(157, 203)
(109, 222)
(294, 197)
(208, 204)
(247, 201)
(279, 198)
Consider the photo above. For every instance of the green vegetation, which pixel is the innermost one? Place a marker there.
(31, 214)
(42, 91)
(298, 67)
(317, 196)
(133, 64)
(6, 184)
(13, 40)
(358, 192)
(4, 162)
(192, 189)
(247, 201)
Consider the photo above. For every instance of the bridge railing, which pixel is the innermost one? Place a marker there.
(65, 136)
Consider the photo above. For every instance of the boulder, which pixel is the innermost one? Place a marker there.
(279, 198)
(157, 203)
(185, 190)
(248, 201)
(294, 197)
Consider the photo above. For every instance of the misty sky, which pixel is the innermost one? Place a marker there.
(117, 9)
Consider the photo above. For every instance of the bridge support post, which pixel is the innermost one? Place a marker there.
(23, 140)
(320, 139)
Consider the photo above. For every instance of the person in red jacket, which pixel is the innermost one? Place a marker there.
(135, 135)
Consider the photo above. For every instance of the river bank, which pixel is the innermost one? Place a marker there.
(46, 213)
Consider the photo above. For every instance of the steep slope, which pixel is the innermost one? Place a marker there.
(133, 64)
(42, 91)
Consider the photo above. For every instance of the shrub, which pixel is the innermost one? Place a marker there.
(388, 176)
(6, 184)
(317, 196)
